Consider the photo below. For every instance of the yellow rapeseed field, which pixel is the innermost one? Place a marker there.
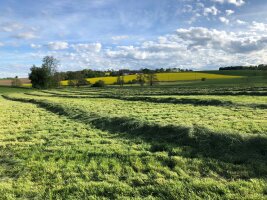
(26, 85)
(162, 77)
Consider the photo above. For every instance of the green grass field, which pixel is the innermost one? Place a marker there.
(193, 140)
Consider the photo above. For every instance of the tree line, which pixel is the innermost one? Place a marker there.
(47, 76)
(141, 78)
(257, 67)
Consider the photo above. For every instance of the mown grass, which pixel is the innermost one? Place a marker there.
(7, 89)
(130, 146)
(193, 100)
(243, 119)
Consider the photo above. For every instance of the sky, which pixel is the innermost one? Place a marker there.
(131, 34)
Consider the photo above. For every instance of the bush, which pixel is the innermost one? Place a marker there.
(203, 79)
(83, 82)
(134, 81)
(99, 83)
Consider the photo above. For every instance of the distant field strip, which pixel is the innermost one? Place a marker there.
(8, 82)
(163, 77)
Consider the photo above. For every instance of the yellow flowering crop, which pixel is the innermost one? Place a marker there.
(162, 77)
(26, 85)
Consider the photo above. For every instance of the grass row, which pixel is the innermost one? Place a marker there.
(162, 99)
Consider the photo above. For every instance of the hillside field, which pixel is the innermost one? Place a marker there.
(164, 77)
(187, 141)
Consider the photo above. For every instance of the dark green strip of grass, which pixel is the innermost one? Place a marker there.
(170, 100)
(191, 101)
(197, 102)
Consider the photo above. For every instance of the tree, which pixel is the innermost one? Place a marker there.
(16, 82)
(45, 76)
(78, 79)
(134, 81)
(265, 74)
(99, 83)
(146, 70)
(82, 82)
(38, 77)
(58, 77)
(151, 78)
(72, 82)
(140, 78)
(50, 65)
(120, 80)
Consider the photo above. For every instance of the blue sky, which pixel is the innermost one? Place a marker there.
(114, 34)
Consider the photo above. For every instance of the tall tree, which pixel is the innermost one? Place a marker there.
(16, 82)
(152, 78)
(45, 76)
(140, 78)
(50, 65)
(120, 80)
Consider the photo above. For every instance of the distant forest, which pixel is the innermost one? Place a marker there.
(257, 67)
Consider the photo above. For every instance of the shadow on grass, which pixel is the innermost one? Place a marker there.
(191, 101)
(200, 102)
(236, 149)
(209, 93)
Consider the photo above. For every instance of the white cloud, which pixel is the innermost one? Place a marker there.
(91, 47)
(187, 8)
(190, 47)
(229, 42)
(127, 52)
(257, 26)
(194, 47)
(25, 35)
(235, 2)
(229, 12)
(211, 10)
(35, 46)
(11, 27)
(224, 20)
(58, 45)
(240, 22)
(120, 37)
